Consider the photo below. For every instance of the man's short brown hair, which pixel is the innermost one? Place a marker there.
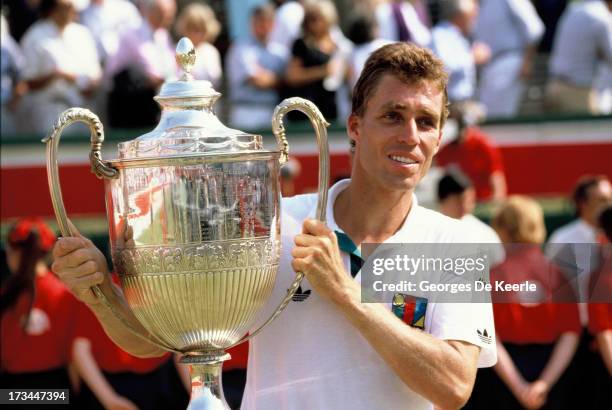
(407, 62)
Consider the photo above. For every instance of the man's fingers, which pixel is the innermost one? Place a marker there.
(73, 259)
(315, 227)
(64, 246)
(305, 240)
(82, 270)
(86, 282)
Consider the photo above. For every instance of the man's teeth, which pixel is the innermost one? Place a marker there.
(403, 160)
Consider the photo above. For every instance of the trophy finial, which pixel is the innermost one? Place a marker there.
(185, 57)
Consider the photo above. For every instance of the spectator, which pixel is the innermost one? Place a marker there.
(600, 313)
(255, 67)
(569, 245)
(512, 30)
(36, 311)
(582, 43)
(399, 21)
(536, 335)
(145, 59)
(571, 248)
(312, 59)
(12, 88)
(473, 153)
(363, 32)
(287, 23)
(457, 199)
(451, 42)
(114, 379)
(108, 20)
(61, 66)
(199, 23)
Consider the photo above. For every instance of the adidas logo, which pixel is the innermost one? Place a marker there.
(300, 296)
(484, 336)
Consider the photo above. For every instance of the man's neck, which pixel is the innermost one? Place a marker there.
(368, 216)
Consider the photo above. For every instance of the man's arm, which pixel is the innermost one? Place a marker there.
(441, 371)
(80, 265)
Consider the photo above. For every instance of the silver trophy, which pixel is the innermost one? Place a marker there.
(194, 224)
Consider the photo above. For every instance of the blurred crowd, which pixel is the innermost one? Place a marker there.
(113, 55)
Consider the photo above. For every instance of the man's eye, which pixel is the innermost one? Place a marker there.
(391, 116)
(425, 122)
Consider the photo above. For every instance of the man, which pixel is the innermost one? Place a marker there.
(108, 20)
(512, 29)
(60, 67)
(569, 245)
(144, 60)
(457, 199)
(254, 68)
(583, 42)
(451, 42)
(329, 350)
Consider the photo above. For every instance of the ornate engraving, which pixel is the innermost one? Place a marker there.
(205, 257)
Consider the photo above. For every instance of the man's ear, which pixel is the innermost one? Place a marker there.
(352, 127)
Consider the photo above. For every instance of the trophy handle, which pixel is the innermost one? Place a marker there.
(278, 129)
(116, 304)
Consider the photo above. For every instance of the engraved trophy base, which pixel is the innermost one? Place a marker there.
(206, 387)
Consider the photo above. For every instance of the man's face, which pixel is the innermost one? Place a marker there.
(398, 134)
(64, 12)
(598, 197)
(261, 27)
(161, 15)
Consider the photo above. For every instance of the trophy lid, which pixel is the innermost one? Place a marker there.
(188, 125)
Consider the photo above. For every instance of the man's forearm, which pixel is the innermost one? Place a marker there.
(431, 367)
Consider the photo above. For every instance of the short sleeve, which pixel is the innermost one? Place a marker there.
(468, 322)
(568, 318)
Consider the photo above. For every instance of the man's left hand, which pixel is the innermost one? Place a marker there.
(317, 255)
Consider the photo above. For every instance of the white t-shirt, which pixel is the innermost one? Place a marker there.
(311, 357)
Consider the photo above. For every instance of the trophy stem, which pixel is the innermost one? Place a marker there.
(206, 386)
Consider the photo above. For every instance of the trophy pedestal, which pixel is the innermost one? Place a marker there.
(206, 387)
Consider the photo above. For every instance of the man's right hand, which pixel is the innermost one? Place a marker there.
(80, 265)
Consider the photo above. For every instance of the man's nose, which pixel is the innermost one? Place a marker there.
(410, 133)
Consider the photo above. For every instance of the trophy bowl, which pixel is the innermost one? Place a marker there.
(193, 210)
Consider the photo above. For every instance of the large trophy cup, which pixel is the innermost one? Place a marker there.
(193, 213)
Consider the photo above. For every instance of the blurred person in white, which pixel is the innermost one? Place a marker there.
(570, 246)
(255, 67)
(198, 22)
(363, 32)
(61, 67)
(451, 42)
(144, 60)
(457, 199)
(512, 29)
(582, 44)
(12, 88)
(287, 23)
(108, 20)
(398, 20)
